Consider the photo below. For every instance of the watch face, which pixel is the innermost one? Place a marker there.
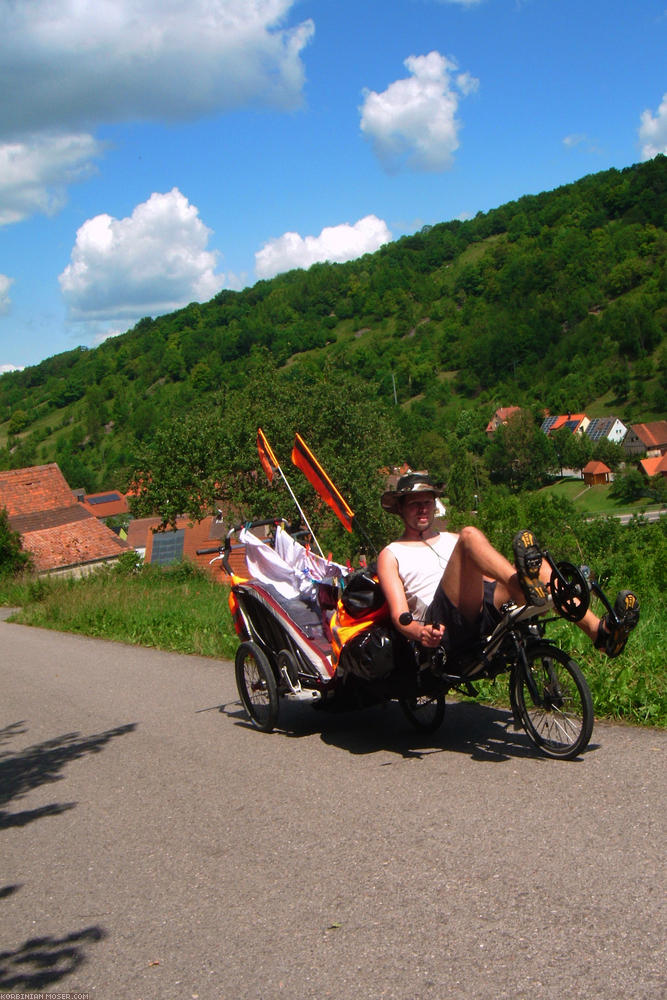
(405, 618)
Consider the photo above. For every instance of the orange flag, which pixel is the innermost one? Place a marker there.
(267, 458)
(304, 460)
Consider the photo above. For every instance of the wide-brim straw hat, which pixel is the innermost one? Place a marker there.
(413, 482)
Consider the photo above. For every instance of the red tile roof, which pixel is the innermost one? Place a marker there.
(655, 466)
(138, 530)
(40, 487)
(593, 468)
(501, 416)
(74, 544)
(653, 435)
(108, 504)
(573, 419)
(57, 530)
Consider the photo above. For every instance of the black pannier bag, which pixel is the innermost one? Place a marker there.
(369, 655)
(362, 594)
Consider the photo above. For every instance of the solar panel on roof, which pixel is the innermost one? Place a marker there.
(168, 546)
(598, 428)
(104, 498)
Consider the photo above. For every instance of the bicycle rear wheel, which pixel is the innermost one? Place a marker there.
(256, 686)
(425, 712)
(560, 719)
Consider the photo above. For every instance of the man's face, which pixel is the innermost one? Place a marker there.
(418, 510)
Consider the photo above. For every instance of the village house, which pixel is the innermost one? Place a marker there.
(656, 466)
(105, 505)
(650, 439)
(596, 473)
(164, 545)
(501, 416)
(576, 423)
(60, 534)
(611, 428)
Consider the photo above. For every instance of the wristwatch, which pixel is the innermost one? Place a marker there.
(405, 618)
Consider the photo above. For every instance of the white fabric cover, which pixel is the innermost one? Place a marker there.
(290, 567)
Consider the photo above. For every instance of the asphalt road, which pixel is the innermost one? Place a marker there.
(154, 847)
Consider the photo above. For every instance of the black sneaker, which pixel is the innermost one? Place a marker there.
(613, 635)
(528, 561)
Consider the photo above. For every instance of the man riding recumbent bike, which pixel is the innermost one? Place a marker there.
(312, 630)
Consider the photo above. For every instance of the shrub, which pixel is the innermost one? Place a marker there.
(13, 559)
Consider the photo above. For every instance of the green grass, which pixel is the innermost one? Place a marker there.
(180, 609)
(595, 499)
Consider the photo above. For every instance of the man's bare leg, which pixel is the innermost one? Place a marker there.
(474, 558)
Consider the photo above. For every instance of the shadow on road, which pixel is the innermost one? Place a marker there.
(41, 962)
(42, 764)
(484, 733)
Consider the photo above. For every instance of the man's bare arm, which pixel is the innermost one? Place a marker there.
(392, 587)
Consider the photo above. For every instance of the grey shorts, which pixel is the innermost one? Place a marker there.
(461, 634)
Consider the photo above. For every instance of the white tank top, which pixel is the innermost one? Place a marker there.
(421, 570)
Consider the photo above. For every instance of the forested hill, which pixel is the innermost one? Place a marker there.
(556, 301)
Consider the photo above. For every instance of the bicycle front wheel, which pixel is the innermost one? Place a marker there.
(559, 716)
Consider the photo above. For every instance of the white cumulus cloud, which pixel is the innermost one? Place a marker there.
(653, 131)
(34, 173)
(69, 64)
(5, 301)
(414, 121)
(152, 262)
(335, 244)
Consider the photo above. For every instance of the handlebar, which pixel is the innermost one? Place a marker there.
(225, 549)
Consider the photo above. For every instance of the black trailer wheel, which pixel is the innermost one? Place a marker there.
(560, 720)
(257, 686)
(425, 712)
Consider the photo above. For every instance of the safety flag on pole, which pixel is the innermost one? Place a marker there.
(267, 459)
(304, 460)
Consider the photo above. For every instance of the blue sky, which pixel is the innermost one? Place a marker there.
(153, 152)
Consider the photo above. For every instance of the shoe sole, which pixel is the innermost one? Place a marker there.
(528, 562)
(626, 609)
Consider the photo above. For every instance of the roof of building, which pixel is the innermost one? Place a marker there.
(138, 528)
(653, 435)
(601, 427)
(57, 530)
(107, 504)
(75, 543)
(655, 466)
(594, 468)
(37, 488)
(569, 421)
(501, 416)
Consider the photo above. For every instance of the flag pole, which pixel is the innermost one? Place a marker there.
(303, 516)
(270, 464)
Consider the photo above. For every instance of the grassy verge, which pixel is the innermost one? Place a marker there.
(180, 609)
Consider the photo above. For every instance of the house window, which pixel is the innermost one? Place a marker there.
(167, 546)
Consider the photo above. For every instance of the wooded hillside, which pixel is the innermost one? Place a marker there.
(554, 301)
